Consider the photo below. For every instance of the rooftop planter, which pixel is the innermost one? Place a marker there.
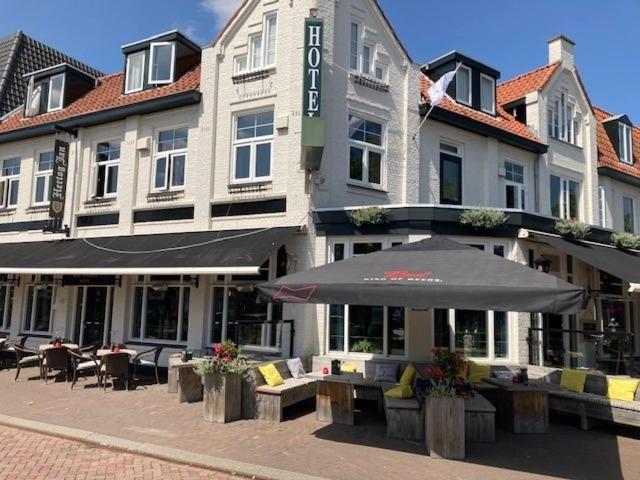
(369, 216)
(483, 219)
(625, 241)
(573, 229)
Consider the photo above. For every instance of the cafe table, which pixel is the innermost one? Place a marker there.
(335, 396)
(107, 351)
(47, 346)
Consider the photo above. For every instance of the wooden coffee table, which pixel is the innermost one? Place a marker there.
(521, 408)
(335, 397)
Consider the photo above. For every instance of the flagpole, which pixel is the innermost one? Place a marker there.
(432, 106)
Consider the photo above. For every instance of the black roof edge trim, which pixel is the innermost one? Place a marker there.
(105, 116)
(471, 125)
(618, 175)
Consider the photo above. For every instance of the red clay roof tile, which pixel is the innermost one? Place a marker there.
(607, 155)
(516, 88)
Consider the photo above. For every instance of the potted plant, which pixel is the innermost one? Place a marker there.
(483, 218)
(222, 380)
(369, 216)
(445, 393)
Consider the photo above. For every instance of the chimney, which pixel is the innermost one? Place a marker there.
(561, 50)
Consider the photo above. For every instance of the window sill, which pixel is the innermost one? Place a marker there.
(368, 188)
(253, 75)
(36, 334)
(38, 208)
(8, 211)
(369, 82)
(564, 142)
(250, 186)
(165, 195)
(100, 201)
(153, 343)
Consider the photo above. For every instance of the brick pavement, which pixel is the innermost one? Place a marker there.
(301, 444)
(32, 456)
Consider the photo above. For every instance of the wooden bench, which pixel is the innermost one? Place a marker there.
(270, 402)
(479, 419)
(405, 418)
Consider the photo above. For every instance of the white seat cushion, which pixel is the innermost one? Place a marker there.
(86, 365)
(32, 358)
(148, 363)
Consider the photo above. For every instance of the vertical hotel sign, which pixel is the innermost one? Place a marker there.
(312, 121)
(59, 184)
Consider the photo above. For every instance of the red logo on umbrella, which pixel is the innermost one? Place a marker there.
(405, 275)
(301, 295)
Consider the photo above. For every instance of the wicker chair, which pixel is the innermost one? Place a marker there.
(83, 363)
(7, 350)
(140, 360)
(27, 357)
(56, 358)
(115, 365)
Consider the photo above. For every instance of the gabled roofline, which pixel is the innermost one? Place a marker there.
(148, 39)
(453, 54)
(53, 67)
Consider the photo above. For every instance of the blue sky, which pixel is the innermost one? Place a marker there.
(508, 35)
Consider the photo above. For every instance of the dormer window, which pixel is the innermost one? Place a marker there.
(626, 143)
(487, 94)
(463, 85)
(135, 72)
(56, 92)
(161, 63)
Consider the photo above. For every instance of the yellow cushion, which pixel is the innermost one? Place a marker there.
(621, 389)
(573, 380)
(348, 368)
(271, 375)
(402, 391)
(476, 372)
(407, 375)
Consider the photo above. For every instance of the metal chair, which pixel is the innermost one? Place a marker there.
(115, 365)
(140, 360)
(81, 364)
(7, 350)
(56, 358)
(27, 357)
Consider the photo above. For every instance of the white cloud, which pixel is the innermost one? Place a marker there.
(222, 9)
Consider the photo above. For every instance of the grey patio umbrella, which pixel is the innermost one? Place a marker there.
(433, 273)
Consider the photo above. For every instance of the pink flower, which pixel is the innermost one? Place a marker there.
(217, 348)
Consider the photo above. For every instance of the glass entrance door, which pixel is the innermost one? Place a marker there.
(92, 314)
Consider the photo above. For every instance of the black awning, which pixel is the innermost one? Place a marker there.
(432, 273)
(624, 264)
(221, 252)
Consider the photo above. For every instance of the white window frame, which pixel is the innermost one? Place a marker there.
(565, 119)
(146, 284)
(95, 165)
(6, 318)
(366, 148)
(126, 82)
(602, 206)
(492, 110)
(55, 108)
(7, 184)
(236, 64)
(168, 170)
(255, 62)
(564, 196)
(151, 59)
(384, 71)
(626, 143)
(265, 40)
(253, 143)
(459, 154)
(521, 188)
(348, 243)
(47, 174)
(37, 286)
(357, 46)
(633, 213)
(459, 98)
(369, 59)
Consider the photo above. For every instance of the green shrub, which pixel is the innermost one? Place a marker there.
(625, 240)
(483, 218)
(572, 229)
(369, 216)
(363, 346)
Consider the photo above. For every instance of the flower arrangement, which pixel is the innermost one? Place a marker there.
(483, 218)
(369, 216)
(447, 376)
(225, 361)
(572, 229)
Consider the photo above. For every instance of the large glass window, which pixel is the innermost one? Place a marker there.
(365, 329)
(161, 310)
(135, 72)
(564, 197)
(56, 92)
(6, 306)
(170, 161)
(450, 175)
(463, 85)
(515, 191)
(253, 147)
(626, 143)
(366, 152)
(161, 63)
(38, 308)
(42, 178)
(487, 94)
(10, 182)
(105, 176)
(353, 56)
(628, 211)
(271, 35)
(564, 121)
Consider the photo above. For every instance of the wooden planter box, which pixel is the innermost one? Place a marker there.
(444, 429)
(222, 398)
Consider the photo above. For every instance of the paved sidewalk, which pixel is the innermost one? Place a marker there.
(29, 455)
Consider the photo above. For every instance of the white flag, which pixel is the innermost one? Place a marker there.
(33, 99)
(438, 90)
